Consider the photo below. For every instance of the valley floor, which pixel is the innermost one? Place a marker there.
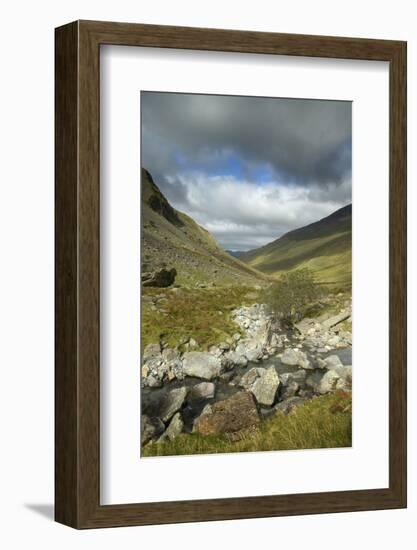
(219, 376)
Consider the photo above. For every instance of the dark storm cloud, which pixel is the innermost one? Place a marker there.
(299, 139)
(291, 158)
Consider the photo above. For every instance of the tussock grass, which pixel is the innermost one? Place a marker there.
(172, 315)
(322, 422)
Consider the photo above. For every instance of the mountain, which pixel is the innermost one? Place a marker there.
(170, 238)
(236, 253)
(324, 246)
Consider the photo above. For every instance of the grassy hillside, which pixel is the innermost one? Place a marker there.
(173, 239)
(209, 282)
(324, 246)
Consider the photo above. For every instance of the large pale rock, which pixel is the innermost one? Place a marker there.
(172, 403)
(266, 386)
(201, 364)
(151, 428)
(294, 357)
(234, 414)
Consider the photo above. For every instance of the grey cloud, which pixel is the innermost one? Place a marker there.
(298, 139)
(206, 153)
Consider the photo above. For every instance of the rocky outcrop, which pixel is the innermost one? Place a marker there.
(159, 278)
(232, 415)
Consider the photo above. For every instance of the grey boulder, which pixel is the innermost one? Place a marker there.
(294, 357)
(201, 364)
(172, 403)
(265, 387)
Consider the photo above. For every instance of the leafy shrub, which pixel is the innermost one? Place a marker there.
(292, 295)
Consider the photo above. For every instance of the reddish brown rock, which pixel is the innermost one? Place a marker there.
(234, 414)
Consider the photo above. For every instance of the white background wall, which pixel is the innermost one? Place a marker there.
(26, 272)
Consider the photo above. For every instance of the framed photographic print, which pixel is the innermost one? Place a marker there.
(230, 274)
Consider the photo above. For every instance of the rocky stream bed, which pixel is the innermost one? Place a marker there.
(258, 372)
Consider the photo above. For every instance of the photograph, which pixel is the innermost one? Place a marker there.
(246, 268)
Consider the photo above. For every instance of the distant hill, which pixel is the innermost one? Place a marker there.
(236, 253)
(324, 246)
(171, 238)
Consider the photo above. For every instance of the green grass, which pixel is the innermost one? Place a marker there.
(322, 422)
(332, 305)
(203, 313)
(325, 247)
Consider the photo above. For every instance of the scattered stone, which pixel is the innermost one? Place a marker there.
(289, 405)
(224, 346)
(192, 343)
(201, 364)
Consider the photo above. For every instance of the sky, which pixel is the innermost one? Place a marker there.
(249, 169)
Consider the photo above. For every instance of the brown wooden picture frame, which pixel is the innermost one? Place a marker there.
(77, 370)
